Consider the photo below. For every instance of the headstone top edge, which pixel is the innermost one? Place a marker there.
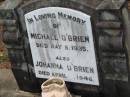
(98, 4)
(91, 4)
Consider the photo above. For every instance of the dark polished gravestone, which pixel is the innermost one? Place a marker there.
(85, 42)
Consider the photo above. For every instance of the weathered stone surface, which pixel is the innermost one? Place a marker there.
(89, 3)
(10, 4)
(17, 56)
(108, 36)
(8, 22)
(111, 4)
(115, 68)
(109, 24)
(107, 43)
(108, 16)
(112, 32)
(11, 38)
(127, 30)
(1, 33)
(11, 29)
